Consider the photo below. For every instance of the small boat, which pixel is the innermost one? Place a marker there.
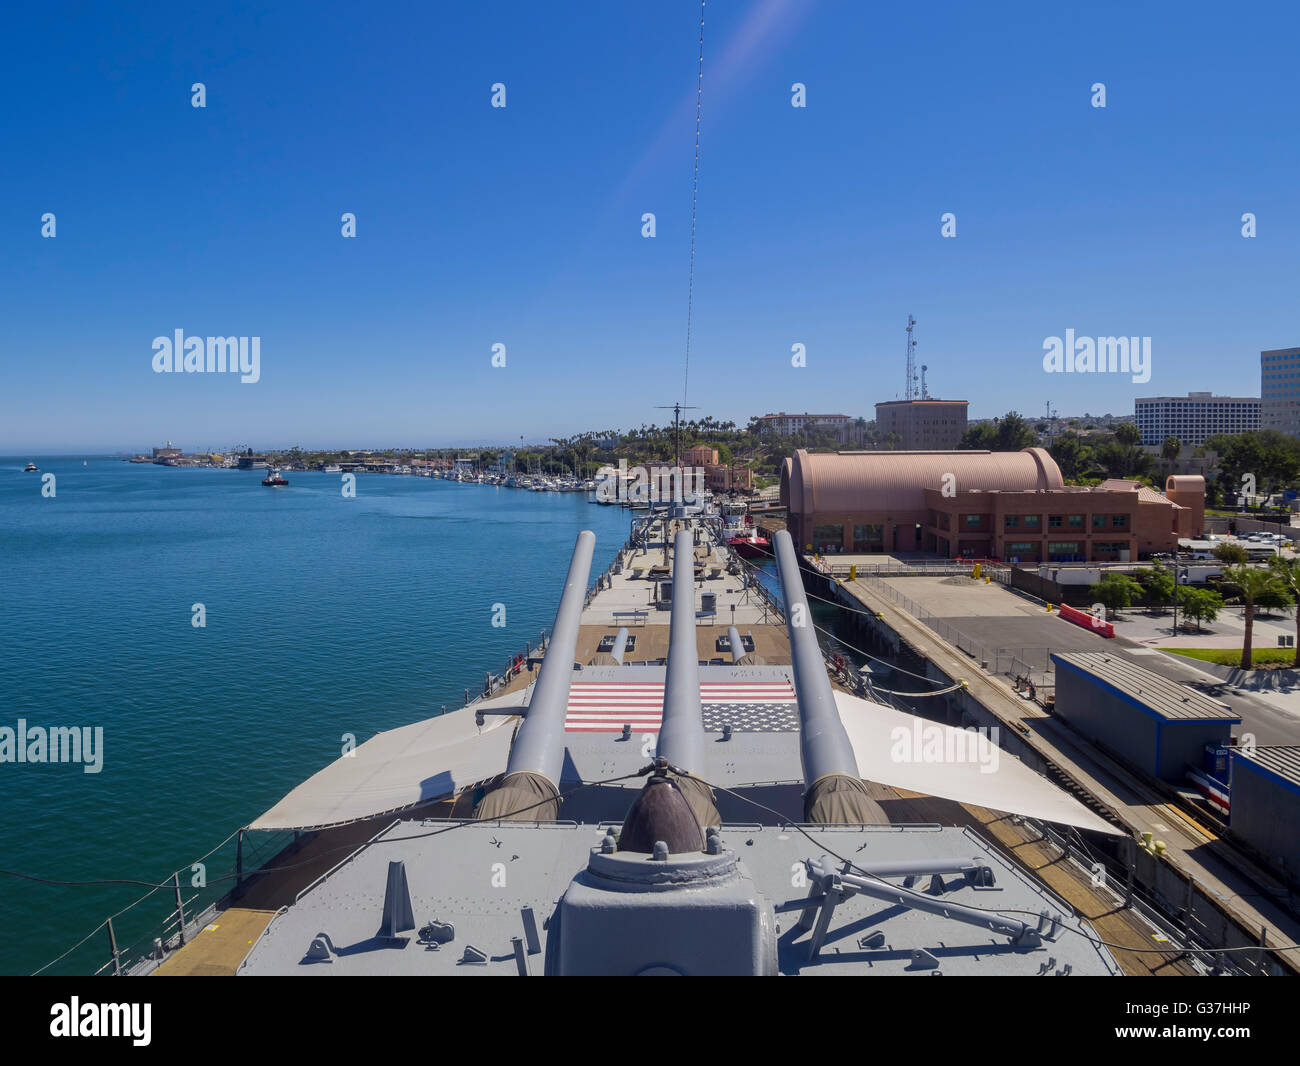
(333, 468)
(30, 468)
(274, 479)
(747, 541)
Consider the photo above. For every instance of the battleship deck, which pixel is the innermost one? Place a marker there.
(761, 758)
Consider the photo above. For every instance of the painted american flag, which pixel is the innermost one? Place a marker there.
(604, 707)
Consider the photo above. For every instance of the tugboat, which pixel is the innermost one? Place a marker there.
(274, 479)
(747, 542)
(30, 468)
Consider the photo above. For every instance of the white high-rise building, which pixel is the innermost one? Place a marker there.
(1194, 417)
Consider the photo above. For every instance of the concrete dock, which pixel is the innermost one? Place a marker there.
(1220, 878)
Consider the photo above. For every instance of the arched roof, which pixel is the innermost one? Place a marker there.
(896, 481)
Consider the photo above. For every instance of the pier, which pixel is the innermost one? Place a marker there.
(980, 633)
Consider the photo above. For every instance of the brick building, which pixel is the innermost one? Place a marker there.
(1006, 505)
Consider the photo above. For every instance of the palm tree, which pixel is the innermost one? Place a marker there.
(1255, 585)
(1288, 572)
(1169, 451)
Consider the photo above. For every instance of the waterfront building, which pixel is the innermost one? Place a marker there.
(1006, 505)
(923, 425)
(700, 455)
(785, 425)
(736, 477)
(1195, 417)
(1279, 390)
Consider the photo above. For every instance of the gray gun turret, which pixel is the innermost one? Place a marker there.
(835, 793)
(530, 790)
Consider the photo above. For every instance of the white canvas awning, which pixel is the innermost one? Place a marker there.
(904, 751)
(400, 768)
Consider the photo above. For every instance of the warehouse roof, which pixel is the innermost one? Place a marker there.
(1283, 760)
(1159, 695)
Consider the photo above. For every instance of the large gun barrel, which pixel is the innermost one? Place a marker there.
(681, 733)
(737, 645)
(533, 772)
(835, 792)
(681, 736)
(620, 645)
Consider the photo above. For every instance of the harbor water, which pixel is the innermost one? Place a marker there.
(324, 618)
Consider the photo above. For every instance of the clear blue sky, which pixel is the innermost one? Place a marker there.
(522, 225)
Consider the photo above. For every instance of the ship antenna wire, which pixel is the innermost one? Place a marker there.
(695, 196)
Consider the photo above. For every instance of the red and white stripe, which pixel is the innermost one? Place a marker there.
(1216, 792)
(604, 707)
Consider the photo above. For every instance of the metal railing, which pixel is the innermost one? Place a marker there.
(1032, 664)
(1178, 920)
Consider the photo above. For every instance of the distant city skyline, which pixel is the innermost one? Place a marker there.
(821, 227)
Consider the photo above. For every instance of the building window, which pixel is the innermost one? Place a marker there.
(1011, 521)
(1024, 548)
(972, 521)
(870, 538)
(828, 537)
(1033, 521)
(1054, 521)
(1062, 549)
(1076, 521)
(1099, 521)
(1119, 521)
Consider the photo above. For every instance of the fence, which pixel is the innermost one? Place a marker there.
(1192, 919)
(1031, 664)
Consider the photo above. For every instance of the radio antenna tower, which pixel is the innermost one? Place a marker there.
(911, 360)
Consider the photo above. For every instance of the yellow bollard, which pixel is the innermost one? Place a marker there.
(853, 572)
(1049, 608)
(976, 572)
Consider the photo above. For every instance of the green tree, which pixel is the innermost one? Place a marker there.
(1010, 433)
(1128, 434)
(1159, 584)
(1072, 455)
(1231, 554)
(1252, 586)
(1203, 605)
(1288, 573)
(1115, 592)
(1120, 459)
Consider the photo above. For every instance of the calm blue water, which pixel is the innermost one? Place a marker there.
(325, 616)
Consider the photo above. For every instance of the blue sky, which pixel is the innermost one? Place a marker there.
(521, 225)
